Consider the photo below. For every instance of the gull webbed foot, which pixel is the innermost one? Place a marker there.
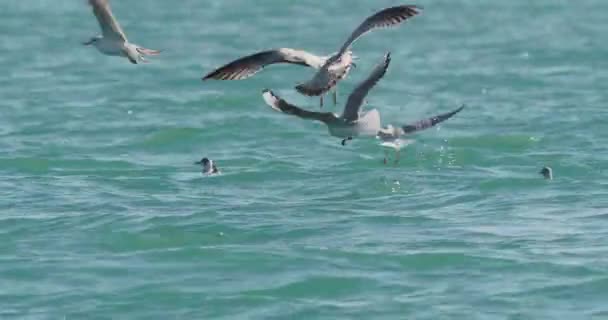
(344, 140)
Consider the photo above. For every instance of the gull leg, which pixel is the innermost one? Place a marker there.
(397, 156)
(321, 101)
(336, 96)
(385, 156)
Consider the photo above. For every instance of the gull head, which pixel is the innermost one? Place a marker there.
(92, 41)
(208, 166)
(346, 58)
(203, 162)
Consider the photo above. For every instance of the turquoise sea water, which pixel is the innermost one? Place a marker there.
(104, 216)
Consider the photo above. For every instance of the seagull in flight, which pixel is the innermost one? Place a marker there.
(338, 65)
(330, 69)
(352, 122)
(113, 41)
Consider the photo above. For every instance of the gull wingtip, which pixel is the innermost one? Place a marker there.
(269, 96)
(271, 99)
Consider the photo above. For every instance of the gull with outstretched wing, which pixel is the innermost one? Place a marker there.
(353, 122)
(113, 41)
(330, 69)
(338, 65)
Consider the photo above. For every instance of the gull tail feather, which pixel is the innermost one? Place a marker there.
(148, 52)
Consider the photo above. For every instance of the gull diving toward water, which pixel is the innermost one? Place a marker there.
(330, 69)
(353, 122)
(391, 136)
(209, 166)
(113, 41)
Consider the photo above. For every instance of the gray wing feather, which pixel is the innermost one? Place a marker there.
(246, 67)
(283, 106)
(430, 122)
(355, 100)
(107, 22)
(382, 19)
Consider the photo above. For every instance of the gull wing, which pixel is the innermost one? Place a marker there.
(246, 67)
(355, 100)
(283, 106)
(109, 25)
(430, 122)
(382, 19)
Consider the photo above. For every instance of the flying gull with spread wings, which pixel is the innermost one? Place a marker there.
(330, 69)
(353, 122)
(113, 41)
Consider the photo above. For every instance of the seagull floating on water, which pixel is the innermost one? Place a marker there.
(353, 122)
(330, 69)
(547, 172)
(209, 166)
(113, 41)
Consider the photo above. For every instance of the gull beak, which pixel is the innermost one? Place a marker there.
(88, 43)
(198, 162)
(354, 65)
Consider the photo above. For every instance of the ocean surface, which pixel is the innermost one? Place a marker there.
(103, 214)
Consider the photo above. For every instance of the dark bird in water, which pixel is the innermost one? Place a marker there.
(547, 172)
(209, 166)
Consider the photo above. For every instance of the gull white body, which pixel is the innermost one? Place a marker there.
(367, 125)
(110, 47)
(113, 47)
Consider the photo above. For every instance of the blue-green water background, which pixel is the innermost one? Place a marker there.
(103, 215)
